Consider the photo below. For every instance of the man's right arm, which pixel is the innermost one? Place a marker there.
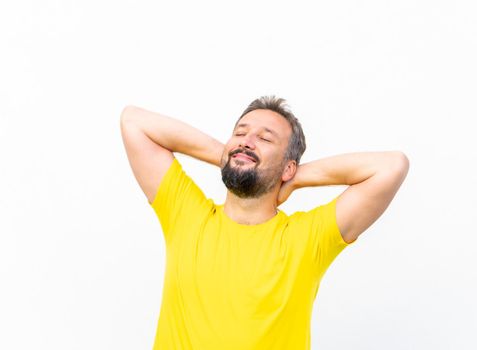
(151, 138)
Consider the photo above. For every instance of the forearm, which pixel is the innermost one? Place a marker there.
(347, 169)
(174, 135)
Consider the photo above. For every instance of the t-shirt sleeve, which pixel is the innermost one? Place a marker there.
(325, 237)
(177, 201)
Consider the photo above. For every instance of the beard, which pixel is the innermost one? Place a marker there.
(249, 182)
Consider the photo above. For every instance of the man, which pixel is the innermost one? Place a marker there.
(243, 275)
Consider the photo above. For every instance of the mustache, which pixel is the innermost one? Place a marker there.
(248, 153)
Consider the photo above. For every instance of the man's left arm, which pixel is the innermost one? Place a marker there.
(373, 179)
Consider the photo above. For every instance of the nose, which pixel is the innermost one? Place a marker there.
(247, 142)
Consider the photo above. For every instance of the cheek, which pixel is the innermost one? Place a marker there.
(275, 157)
(230, 146)
(227, 149)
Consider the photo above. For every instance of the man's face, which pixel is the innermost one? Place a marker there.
(253, 159)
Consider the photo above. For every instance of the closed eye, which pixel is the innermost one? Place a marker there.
(261, 138)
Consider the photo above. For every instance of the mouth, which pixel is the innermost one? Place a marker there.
(244, 157)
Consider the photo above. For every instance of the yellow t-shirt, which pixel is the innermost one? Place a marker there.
(230, 286)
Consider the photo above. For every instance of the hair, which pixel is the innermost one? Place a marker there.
(296, 144)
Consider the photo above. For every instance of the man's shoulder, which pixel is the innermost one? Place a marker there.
(178, 186)
(309, 214)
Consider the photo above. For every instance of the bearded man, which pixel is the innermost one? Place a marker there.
(243, 275)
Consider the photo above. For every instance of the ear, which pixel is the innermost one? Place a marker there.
(289, 171)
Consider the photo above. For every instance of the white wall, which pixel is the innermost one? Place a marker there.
(82, 253)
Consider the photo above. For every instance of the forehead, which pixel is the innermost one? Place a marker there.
(267, 120)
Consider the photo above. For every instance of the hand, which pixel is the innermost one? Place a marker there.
(285, 190)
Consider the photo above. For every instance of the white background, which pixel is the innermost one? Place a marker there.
(82, 253)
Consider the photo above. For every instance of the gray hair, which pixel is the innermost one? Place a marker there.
(296, 145)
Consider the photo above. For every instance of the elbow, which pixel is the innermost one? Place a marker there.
(127, 113)
(401, 162)
(403, 159)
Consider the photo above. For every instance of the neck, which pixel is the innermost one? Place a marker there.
(251, 211)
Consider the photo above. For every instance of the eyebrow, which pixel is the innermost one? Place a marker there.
(265, 128)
